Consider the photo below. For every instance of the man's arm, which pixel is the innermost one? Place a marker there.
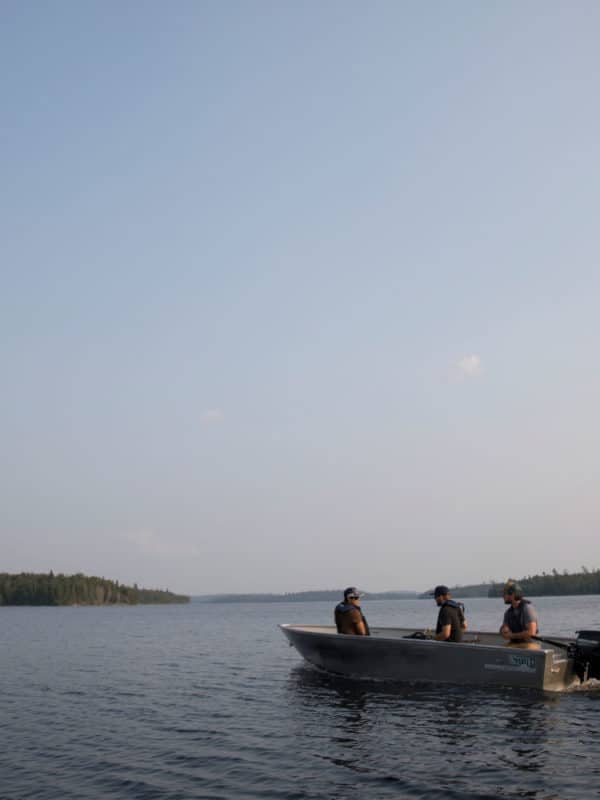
(530, 630)
(444, 624)
(444, 634)
(358, 623)
(360, 628)
(504, 629)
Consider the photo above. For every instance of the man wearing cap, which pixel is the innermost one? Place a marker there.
(520, 622)
(349, 618)
(451, 620)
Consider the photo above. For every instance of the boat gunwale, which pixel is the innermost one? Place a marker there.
(330, 632)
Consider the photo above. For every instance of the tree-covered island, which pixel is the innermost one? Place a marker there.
(35, 589)
(556, 583)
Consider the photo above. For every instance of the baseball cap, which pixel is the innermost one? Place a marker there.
(440, 590)
(352, 591)
(513, 588)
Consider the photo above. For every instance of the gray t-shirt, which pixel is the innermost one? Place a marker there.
(519, 618)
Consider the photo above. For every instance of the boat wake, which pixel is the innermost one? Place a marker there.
(591, 685)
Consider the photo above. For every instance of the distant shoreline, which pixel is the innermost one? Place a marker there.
(301, 597)
(586, 582)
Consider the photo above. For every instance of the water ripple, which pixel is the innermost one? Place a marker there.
(176, 704)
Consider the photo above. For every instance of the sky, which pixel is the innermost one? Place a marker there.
(299, 295)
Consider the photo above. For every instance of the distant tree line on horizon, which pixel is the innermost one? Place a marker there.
(40, 589)
(555, 583)
(472, 590)
(585, 582)
(299, 597)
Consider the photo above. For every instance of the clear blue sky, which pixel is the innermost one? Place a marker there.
(299, 295)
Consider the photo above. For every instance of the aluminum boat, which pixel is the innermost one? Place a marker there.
(482, 658)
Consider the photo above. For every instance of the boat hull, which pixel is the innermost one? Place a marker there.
(482, 659)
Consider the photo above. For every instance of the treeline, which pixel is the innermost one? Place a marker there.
(34, 589)
(585, 582)
(556, 583)
(473, 590)
(289, 597)
(300, 597)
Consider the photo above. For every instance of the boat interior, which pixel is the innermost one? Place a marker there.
(557, 644)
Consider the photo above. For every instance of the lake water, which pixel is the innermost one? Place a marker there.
(208, 701)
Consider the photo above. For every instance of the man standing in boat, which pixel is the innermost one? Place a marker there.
(349, 617)
(520, 622)
(451, 620)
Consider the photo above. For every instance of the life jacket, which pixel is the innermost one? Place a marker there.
(455, 633)
(344, 607)
(519, 615)
(459, 606)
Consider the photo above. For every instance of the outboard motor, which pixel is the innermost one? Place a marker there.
(586, 652)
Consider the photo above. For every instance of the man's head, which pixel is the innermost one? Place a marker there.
(352, 595)
(512, 591)
(441, 594)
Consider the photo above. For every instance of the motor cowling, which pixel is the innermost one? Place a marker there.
(586, 653)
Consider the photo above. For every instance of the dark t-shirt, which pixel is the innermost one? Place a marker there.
(453, 616)
(347, 618)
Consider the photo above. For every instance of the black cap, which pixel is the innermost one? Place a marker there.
(440, 590)
(352, 591)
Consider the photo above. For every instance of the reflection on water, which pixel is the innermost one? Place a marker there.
(163, 703)
(465, 736)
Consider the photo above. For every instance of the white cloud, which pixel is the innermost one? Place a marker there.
(469, 366)
(212, 416)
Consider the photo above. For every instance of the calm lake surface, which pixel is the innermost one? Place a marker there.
(208, 701)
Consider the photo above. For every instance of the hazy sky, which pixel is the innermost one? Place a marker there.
(297, 295)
